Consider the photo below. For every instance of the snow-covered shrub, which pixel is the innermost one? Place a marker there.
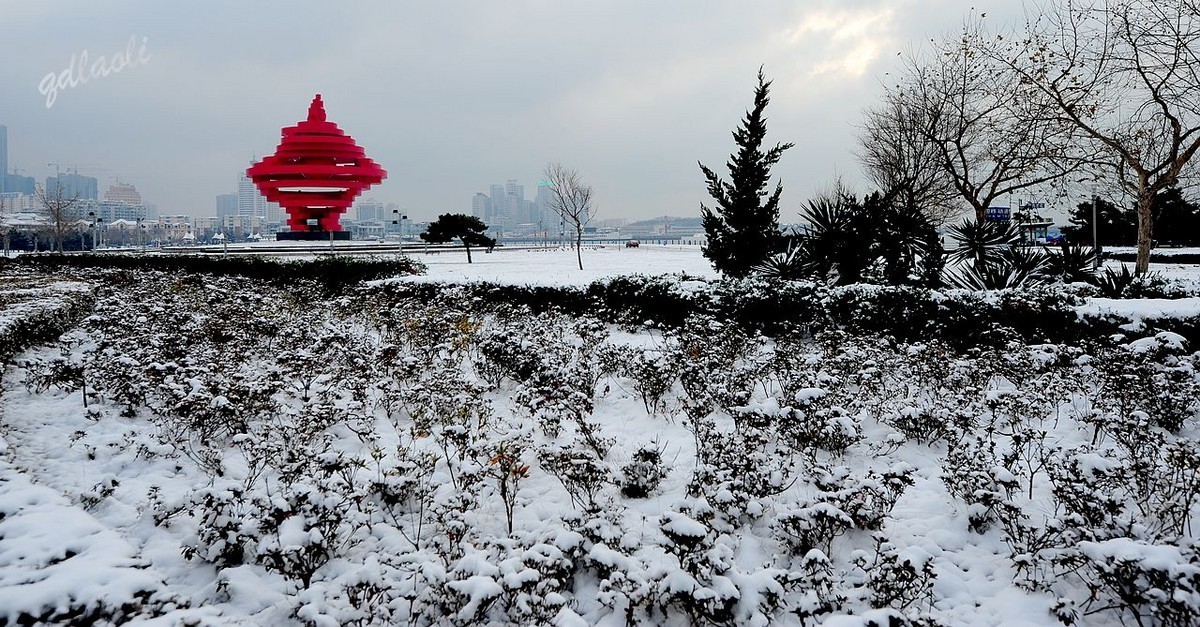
(814, 589)
(707, 585)
(817, 423)
(719, 364)
(35, 312)
(653, 372)
(525, 581)
(867, 499)
(1150, 583)
(362, 595)
(54, 371)
(906, 313)
(1150, 496)
(577, 468)
(843, 502)
(507, 353)
(735, 469)
(508, 470)
(645, 470)
(973, 473)
(901, 578)
(227, 524)
(1153, 375)
(302, 527)
(811, 526)
(555, 398)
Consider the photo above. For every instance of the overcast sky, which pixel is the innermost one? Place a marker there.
(450, 97)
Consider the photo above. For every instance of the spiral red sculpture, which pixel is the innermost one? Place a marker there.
(315, 174)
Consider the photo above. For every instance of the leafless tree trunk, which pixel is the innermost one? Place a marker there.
(57, 206)
(572, 201)
(1126, 75)
(985, 128)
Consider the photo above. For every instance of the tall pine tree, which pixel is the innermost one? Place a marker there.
(742, 229)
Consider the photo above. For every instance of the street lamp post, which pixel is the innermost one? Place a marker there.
(1095, 232)
(398, 220)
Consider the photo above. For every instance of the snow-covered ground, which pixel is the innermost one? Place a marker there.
(248, 459)
(558, 266)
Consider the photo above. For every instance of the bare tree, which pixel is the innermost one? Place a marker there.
(988, 131)
(571, 200)
(56, 204)
(899, 158)
(1126, 75)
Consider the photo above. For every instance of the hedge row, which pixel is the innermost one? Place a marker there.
(40, 317)
(334, 273)
(961, 318)
(1158, 256)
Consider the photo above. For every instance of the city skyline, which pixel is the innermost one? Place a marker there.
(445, 96)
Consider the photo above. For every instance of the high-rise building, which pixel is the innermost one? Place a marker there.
(74, 185)
(3, 158)
(481, 206)
(227, 205)
(123, 192)
(251, 202)
(10, 183)
(499, 216)
(514, 202)
(544, 207)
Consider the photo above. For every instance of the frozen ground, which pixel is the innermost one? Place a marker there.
(558, 266)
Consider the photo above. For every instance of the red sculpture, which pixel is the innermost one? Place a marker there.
(315, 174)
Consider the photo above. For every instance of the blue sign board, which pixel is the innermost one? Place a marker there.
(998, 214)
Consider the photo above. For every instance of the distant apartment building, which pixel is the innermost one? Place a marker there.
(3, 158)
(123, 192)
(10, 183)
(370, 210)
(109, 210)
(227, 205)
(251, 202)
(481, 206)
(234, 227)
(499, 215)
(73, 185)
(544, 207)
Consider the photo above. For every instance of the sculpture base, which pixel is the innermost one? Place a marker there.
(312, 236)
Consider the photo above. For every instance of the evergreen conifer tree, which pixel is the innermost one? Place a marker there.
(743, 227)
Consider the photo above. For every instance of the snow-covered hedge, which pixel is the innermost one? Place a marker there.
(334, 273)
(35, 310)
(959, 317)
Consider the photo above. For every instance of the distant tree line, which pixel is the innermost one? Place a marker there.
(1176, 222)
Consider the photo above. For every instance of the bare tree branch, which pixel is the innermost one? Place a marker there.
(571, 200)
(1126, 75)
(57, 206)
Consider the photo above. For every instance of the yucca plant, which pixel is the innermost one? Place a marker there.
(988, 277)
(1113, 284)
(981, 242)
(1071, 264)
(787, 265)
(989, 257)
(836, 240)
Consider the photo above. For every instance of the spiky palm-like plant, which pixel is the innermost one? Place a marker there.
(1072, 264)
(981, 242)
